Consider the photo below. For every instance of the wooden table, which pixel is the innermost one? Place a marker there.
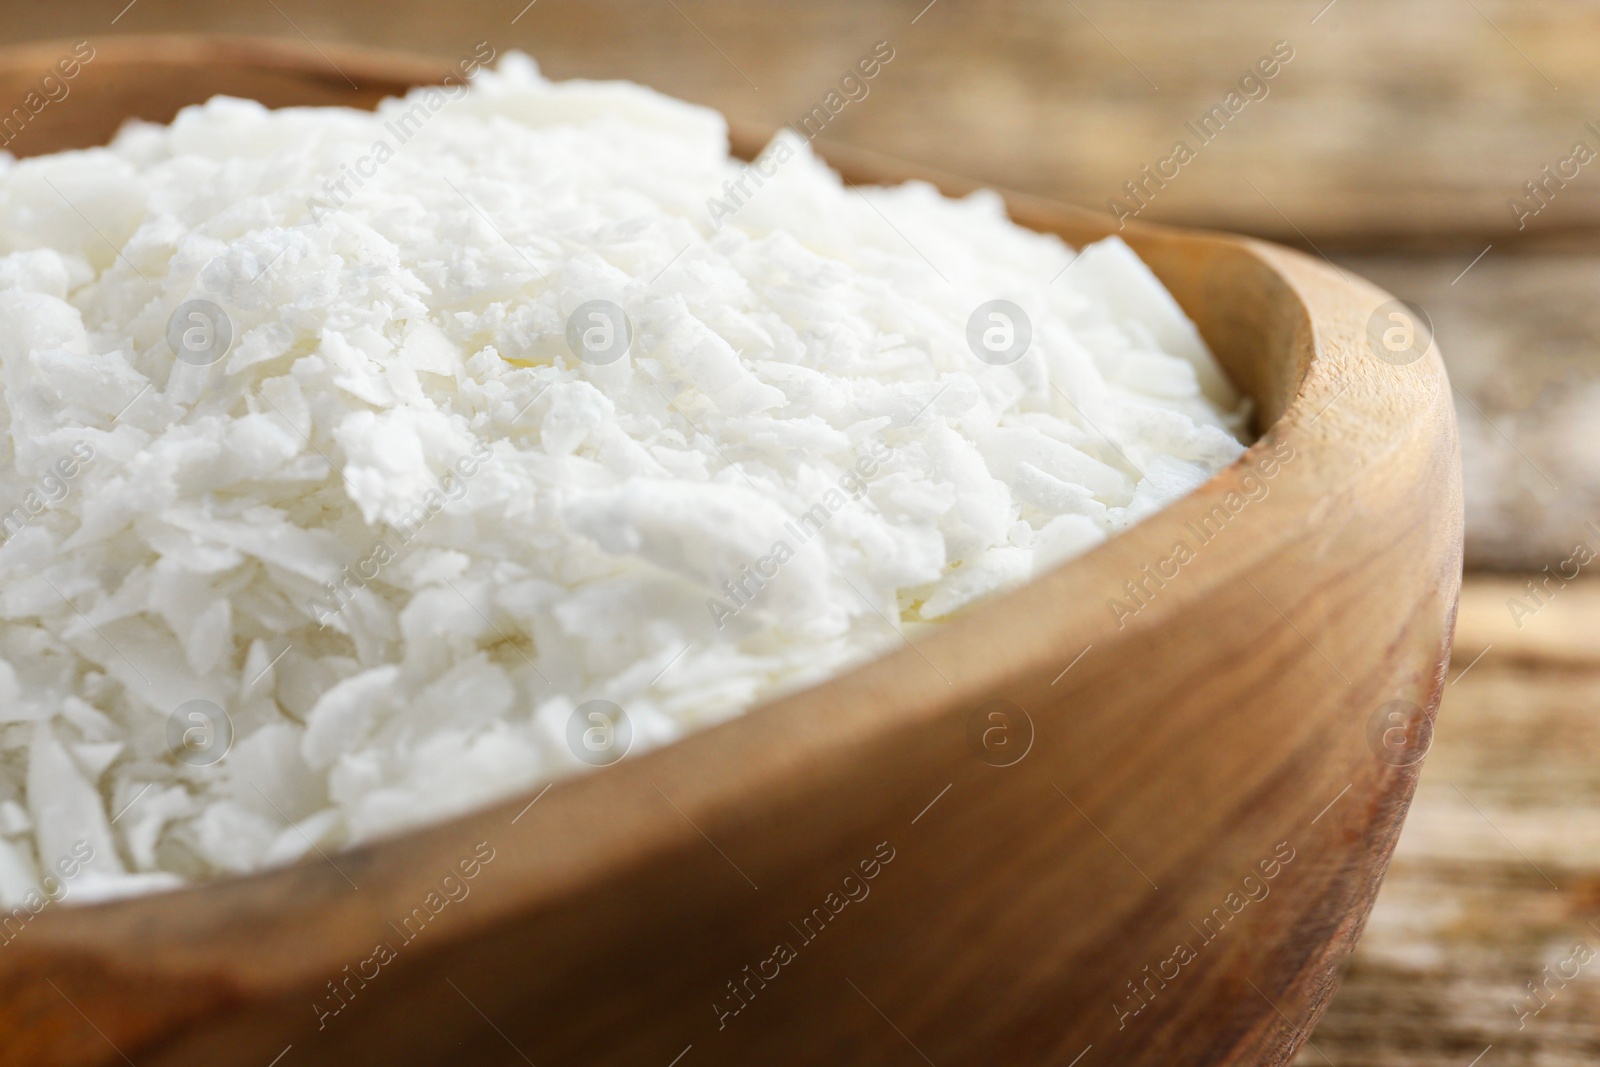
(1497, 875)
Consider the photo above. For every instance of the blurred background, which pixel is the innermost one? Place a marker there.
(1448, 149)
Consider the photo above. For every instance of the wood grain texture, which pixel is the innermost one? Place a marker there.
(1397, 121)
(1498, 873)
(1226, 725)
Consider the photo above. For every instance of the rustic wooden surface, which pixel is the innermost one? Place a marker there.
(1498, 871)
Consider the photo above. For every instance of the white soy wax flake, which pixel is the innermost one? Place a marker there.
(356, 455)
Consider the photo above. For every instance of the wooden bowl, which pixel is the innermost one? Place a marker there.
(1053, 830)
